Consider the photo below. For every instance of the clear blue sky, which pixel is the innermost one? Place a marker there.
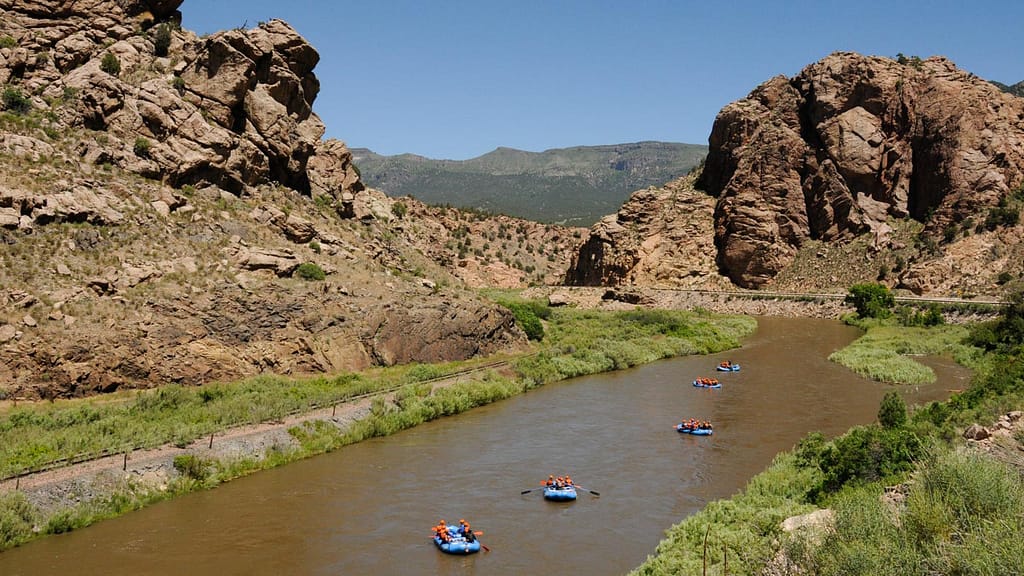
(456, 79)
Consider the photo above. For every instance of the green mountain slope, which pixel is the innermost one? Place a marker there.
(1017, 89)
(575, 186)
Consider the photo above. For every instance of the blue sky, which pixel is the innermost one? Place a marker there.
(456, 79)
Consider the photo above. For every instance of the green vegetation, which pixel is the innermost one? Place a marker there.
(7, 41)
(310, 271)
(962, 513)
(871, 300)
(162, 40)
(576, 343)
(883, 352)
(142, 147)
(110, 64)
(16, 102)
(575, 186)
(528, 315)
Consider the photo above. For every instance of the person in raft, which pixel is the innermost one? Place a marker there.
(441, 531)
(726, 364)
(465, 531)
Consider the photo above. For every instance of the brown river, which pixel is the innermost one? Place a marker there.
(368, 508)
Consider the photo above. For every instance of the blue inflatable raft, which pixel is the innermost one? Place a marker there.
(458, 544)
(695, 431)
(699, 385)
(563, 494)
(729, 368)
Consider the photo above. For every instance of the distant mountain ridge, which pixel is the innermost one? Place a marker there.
(1015, 89)
(574, 186)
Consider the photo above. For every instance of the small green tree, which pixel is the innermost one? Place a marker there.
(15, 101)
(142, 147)
(893, 411)
(162, 40)
(399, 209)
(110, 64)
(871, 300)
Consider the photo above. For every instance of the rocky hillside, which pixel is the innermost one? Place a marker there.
(572, 186)
(170, 214)
(857, 169)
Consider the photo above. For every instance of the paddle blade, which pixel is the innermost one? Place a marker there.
(526, 491)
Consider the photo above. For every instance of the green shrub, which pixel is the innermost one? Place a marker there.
(871, 300)
(110, 64)
(8, 42)
(162, 40)
(868, 454)
(178, 83)
(142, 147)
(310, 271)
(399, 209)
(15, 101)
(1001, 216)
(893, 411)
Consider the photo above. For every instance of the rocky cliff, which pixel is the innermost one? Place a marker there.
(170, 214)
(917, 160)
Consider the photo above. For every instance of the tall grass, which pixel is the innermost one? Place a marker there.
(964, 515)
(881, 354)
(743, 529)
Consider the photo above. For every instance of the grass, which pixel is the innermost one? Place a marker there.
(882, 353)
(578, 343)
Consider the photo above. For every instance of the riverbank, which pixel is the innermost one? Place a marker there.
(578, 342)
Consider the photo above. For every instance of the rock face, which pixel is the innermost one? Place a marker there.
(248, 246)
(849, 143)
(660, 237)
(853, 147)
(233, 109)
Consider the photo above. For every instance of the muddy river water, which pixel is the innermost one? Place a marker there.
(368, 508)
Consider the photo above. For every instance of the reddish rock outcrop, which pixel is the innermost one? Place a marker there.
(232, 109)
(850, 142)
(852, 148)
(660, 237)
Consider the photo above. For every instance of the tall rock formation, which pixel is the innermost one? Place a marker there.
(170, 214)
(849, 148)
(232, 109)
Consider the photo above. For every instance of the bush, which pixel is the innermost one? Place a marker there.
(1001, 216)
(893, 411)
(110, 64)
(869, 454)
(310, 271)
(142, 147)
(16, 102)
(399, 209)
(162, 40)
(871, 300)
(8, 42)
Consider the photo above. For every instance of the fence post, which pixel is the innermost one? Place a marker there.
(211, 440)
(125, 467)
(334, 410)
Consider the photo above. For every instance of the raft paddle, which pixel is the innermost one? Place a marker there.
(484, 546)
(530, 490)
(587, 489)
